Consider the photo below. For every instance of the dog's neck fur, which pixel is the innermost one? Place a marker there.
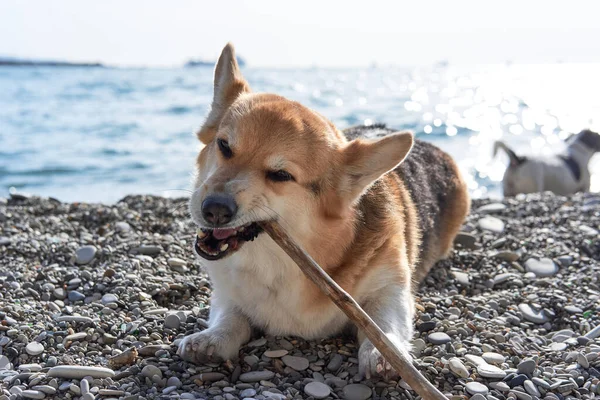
(328, 250)
(580, 152)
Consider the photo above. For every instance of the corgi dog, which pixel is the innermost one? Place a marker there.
(563, 174)
(375, 208)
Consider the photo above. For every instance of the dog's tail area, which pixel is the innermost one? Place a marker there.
(514, 158)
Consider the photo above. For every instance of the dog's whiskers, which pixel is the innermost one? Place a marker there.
(178, 207)
(175, 189)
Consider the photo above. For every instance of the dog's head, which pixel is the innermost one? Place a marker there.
(588, 138)
(269, 158)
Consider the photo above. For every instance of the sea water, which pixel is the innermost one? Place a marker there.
(99, 134)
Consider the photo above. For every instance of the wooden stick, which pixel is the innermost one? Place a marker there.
(353, 310)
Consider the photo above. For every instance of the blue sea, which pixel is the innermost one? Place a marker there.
(99, 134)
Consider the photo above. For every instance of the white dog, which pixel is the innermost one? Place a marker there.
(563, 174)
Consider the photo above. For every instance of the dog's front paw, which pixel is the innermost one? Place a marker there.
(208, 346)
(371, 362)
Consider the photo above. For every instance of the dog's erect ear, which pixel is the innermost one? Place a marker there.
(229, 85)
(366, 161)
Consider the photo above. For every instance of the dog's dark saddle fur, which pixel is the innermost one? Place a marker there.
(427, 173)
(573, 166)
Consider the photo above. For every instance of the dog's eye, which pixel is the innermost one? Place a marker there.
(279, 176)
(224, 147)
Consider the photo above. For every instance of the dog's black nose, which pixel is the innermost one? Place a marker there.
(218, 210)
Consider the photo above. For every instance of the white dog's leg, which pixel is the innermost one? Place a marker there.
(392, 309)
(228, 330)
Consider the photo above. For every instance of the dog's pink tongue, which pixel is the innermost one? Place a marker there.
(223, 233)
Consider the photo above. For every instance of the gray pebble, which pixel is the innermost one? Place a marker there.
(76, 337)
(122, 227)
(357, 391)
(79, 371)
(84, 385)
(476, 387)
(74, 318)
(109, 298)
(335, 363)
(538, 317)
(148, 250)
(33, 394)
(589, 231)
(558, 346)
(526, 367)
(530, 388)
(466, 241)
(501, 278)
(521, 395)
(272, 395)
(275, 353)
(258, 342)
(211, 376)
(169, 389)
(458, 367)
(543, 267)
(573, 309)
(491, 208)
(151, 370)
(45, 388)
(418, 346)
(5, 362)
(500, 386)
(541, 383)
(565, 261)
(256, 376)
(75, 296)
(297, 363)
(493, 358)
(247, 393)
(461, 277)
(174, 381)
(491, 224)
(438, 338)
(490, 371)
(75, 389)
(172, 321)
(85, 254)
(34, 348)
(176, 262)
(594, 333)
(583, 361)
(509, 256)
(51, 361)
(317, 390)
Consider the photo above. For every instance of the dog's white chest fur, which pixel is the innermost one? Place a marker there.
(262, 282)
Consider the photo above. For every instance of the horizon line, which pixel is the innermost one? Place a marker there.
(212, 63)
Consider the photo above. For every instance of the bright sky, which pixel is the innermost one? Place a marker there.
(305, 32)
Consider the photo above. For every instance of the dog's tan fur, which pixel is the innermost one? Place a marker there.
(357, 219)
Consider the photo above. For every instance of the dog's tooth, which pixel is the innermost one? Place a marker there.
(224, 246)
(200, 233)
(242, 229)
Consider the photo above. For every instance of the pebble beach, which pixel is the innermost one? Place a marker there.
(95, 298)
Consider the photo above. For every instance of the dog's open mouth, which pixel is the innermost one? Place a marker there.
(214, 244)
